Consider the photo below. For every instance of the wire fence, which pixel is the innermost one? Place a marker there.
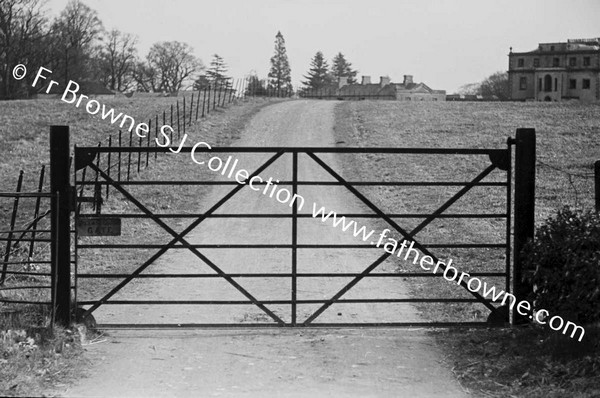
(583, 188)
(123, 166)
(25, 240)
(25, 276)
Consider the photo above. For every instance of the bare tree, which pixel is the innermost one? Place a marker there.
(76, 31)
(494, 86)
(146, 78)
(117, 60)
(169, 65)
(22, 36)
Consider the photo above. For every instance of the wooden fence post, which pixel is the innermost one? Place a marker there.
(60, 223)
(524, 205)
(597, 184)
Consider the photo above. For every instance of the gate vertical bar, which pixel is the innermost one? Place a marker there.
(119, 155)
(60, 222)
(36, 214)
(184, 117)
(524, 204)
(13, 219)
(148, 142)
(139, 161)
(97, 194)
(178, 122)
(109, 164)
(294, 234)
(509, 143)
(129, 155)
(156, 135)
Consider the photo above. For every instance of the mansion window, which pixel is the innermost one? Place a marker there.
(555, 62)
(523, 83)
(586, 61)
(572, 84)
(572, 61)
(520, 63)
(585, 84)
(536, 62)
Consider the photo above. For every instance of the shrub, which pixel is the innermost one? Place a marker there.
(562, 263)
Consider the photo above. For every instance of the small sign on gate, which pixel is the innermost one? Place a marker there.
(96, 226)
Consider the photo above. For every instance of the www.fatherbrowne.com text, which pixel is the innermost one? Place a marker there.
(230, 168)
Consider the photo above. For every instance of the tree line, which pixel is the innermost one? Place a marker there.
(493, 86)
(320, 75)
(76, 46)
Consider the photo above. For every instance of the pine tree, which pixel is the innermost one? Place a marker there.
(280, 77)
(318, 75)
(342, 68)
(216, 73)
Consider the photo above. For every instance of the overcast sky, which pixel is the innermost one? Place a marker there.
(443, 43)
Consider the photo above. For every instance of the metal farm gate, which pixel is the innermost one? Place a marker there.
(92, 215)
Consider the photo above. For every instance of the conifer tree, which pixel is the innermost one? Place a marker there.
(216, 73)
(280, 78)
(318, 75)
(342, 68)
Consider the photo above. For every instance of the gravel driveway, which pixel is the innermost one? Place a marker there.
(269, 362)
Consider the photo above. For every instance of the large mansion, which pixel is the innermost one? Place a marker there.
(556, 71)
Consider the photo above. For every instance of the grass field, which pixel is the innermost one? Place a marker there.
(491, 363)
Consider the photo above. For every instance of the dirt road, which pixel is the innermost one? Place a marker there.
(270, 362)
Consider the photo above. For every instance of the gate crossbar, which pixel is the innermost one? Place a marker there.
(500, 158)
(179, 237)
(408, 236)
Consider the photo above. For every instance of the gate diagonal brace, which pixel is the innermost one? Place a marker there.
(180, 238)
(408, 236)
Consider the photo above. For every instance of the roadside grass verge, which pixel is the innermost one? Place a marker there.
(523, 362)
(567, 146)
(36, 362)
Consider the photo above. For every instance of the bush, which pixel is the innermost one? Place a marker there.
(562, 264)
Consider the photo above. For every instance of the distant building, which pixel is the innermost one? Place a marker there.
(385, 89)
(556, 71)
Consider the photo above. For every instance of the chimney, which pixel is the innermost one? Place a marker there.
(342, 81)
(408, 79)
(384, 81)
(366, 80)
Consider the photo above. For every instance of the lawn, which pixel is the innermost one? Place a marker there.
(522, 361)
